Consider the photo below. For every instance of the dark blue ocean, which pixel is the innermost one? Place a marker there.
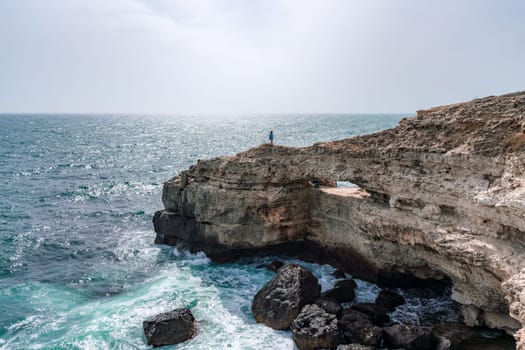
(78, 267)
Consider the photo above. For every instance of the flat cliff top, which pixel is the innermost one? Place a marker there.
(487, 126)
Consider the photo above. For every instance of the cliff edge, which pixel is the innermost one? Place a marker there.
(440, 196)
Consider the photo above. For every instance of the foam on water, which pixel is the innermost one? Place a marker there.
(426, 307)
(220, 299)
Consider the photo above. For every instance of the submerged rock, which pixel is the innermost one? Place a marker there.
(169, 327)
(279, 302)
(315, 328)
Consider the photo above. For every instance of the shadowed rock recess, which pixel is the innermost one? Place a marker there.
(442, 197)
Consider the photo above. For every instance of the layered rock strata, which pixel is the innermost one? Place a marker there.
(442, 196)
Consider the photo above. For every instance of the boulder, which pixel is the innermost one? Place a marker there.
(279, 302)
(356, 327)
(330, 306)
(343, 291)
(410, 337)
(169, 327)
(315, 328)
(388, 300)
(275, 265)
(377, 315)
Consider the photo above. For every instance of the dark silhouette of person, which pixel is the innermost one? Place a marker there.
(270, 137)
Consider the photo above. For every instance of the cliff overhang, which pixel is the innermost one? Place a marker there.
(442, 197)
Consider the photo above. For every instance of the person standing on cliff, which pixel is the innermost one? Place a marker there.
(270, 137)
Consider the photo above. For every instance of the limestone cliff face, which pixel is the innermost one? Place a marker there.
(443, 195)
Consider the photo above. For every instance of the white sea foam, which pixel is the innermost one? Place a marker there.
(199, 258)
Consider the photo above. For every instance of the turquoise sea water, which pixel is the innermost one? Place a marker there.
(78, 267)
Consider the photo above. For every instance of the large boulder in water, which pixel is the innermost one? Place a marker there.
(169, 327)
(279, 302)
(410, 337)
(315, 328)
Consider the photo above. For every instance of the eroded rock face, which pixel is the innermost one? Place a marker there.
(170, 327)
(279, 302)
(315, 328)
(445, 196)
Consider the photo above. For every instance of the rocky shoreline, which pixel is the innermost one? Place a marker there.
(293, 300)
(441, 197)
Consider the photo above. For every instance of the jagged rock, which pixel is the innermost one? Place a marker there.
(442, 195)
(315, 328)
(355, 347)
(330, 306)
(410, 337)
(275, 265)
(356, 327)
(279, 302)
(170, 327)
(387, 300)
(342, 292)
(377, 315)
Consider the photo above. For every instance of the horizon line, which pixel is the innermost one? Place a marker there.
(197, 114)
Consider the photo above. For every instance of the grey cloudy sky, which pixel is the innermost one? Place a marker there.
(266, 56)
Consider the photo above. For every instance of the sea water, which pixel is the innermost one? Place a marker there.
(78, 266)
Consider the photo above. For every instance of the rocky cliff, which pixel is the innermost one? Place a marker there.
(441, 196)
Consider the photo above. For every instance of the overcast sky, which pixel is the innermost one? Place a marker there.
(265, 56)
